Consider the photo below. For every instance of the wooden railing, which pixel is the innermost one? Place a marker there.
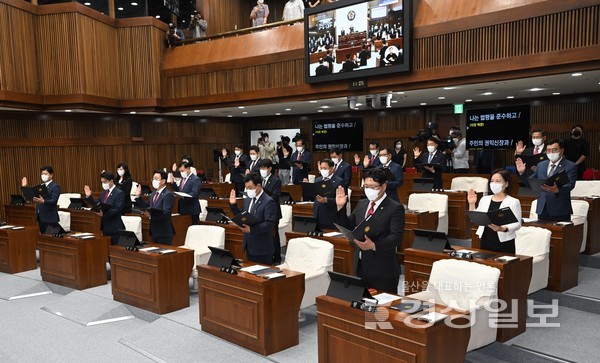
(235, 33)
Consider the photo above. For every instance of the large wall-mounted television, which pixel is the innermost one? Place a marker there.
(497, 128)
(356, 38)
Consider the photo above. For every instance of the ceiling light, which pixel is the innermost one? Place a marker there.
(358, 104)
(67, 110)
(278, 114)
(184, 114)
(468, 100)
(325, 106)
(536, 89)
(314, 101)
(229, 115)
(577, 74)
(319, 110)
(158, 17)
(288, 109)
(487, 93)
(394, 101)
(449, 88)
(241, 107)
(196, 110)
(423, 103)
(555, 93)
(134, 4)
(510, 97)
(132, 112)
(400, 93)
(120, 9)
(441, 98)
(245, 113)
(87, 4)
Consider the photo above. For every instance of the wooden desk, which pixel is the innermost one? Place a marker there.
(257, 314)
(294, 190)
(357, 194)
(72, 262)
(418, 220)
(223, 203)
(20, 215)
(153, 282)
(343, 336)
(343, 252)
(565, 244)
(302, 210)
(234, 238)
(84, 221)
(180, 224)
(458, 224)
(17, 249)
(512, 285)
(221, 189)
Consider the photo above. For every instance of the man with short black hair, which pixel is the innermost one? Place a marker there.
(298, 160)
(324, 208)
(190, 184)
(432, 163)
(321, 69)
(46, 209)
(111, 221)
(238, 163)
(371, 160)
(254, 153)
(341, 168)
(395, 176)
(161, 202)
(577, 149)
(272, 186)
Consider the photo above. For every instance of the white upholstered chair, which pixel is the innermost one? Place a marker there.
(579, 216)
(348, 208)
(535, 242)
(65, 199)
(228, 178)
(465, 286)
(432, 202)
(285, 223)
(203, 211)
(133, 224)
(465, 183)
(198, 238)
(64, 219)
(586, 188)
(134, 186)
(313, 257)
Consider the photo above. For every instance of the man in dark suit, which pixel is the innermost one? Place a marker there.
(384, 46)
(161, 202)
(395, 177)
(300, 171)
(111, 221)
(371, 160)
(341, 168)
(254, 153)
(321, 69)
(433, 162)
(324, 208)
(349, 65)
(364, 55)
(329, 60)
(376, 260)
(190, 184)
(237, 167)
(46, 209)
(554, 203)
(258, 239)
(538, 140)
(272, 186)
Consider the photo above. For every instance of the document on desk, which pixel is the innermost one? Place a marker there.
(254, 268)
(79, 235)
(8, 226)
(332, 234)
(433, 317)
(529, 220)
(148, 249)
(182, 194)
(385, 298)
(273, 275)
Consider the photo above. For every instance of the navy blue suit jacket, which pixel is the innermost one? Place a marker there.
(160, 223)
(325, 212)
(48, 211)
(344, 171)
(558, 204)
(189, 206)
(111, 219)
(260, 241)
(273, 188)
(237, 174)
(375, 163)
(300, 174)
(255, 168)
(396, 181)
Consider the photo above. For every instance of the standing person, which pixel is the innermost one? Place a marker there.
(329, 59)
(237, 166)
(258, 239)
(198, 25)
(255, 159)
(266, 147)
(433, 157)
(272, 186)
(384, 46)
(187, 158)
(493, 237)
(399, 154)
(349, 65)
(46, 210)
(174, 35)
(111, 221)
(322, 69)
(538, 142)
(293, 9)
(324, 208)
(395, 177)
(299, 171)
(376, 261)
(371, 160)
(124, 183)
(460, 154)
(190, 184)
(364, 55)
(259, 13)
(284, 153)
(341, 168)
(161, 201)
(554, 203)
(577, 149)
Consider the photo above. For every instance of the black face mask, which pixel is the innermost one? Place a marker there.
(576, 133)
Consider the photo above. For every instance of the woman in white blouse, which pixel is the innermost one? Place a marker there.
(493, 237)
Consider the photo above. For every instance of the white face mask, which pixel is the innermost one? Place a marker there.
(496, 188)
(299, 148)
(455, 140)
(106, 186)
(335, 160)
(537, 142)
(373, 152)
(184, 174)
(553, 157)
(251, 193)
(398, 146)
(383, 159)
(155, 184)
(253, 157)
(45, 178)
(371, 194)
(121, 172)
(264, 173)
(324, 173)
(238, 152)
(431, 148)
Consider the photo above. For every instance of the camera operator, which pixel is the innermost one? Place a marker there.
(266, 148)
(459, 154)
(284, 152)
(174, 35)
(198, 25)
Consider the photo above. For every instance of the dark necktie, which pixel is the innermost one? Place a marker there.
(106, 196)
(252, 205)
(183, 183)
(155, 198)
(551, 170)
(371, 210)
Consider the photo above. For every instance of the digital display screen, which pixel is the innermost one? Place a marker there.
(497, 128)
(345, 133)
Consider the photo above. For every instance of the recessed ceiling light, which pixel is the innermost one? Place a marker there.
(134, 4)
(423, 103)
(449, 88)
(510, 97)
(67, 110)
(245, 113)
(556, 93)
(325, 106)
(132, 112)
(536, 89)
(184, 114)
(288, 109)
(241, 107)
(278, 114)
(394, 101)
(358, 104)
(87, 4)
(313, 101)
(400, 93)
(577, 74)
(441, 98)
(487, 93)
(196, 110)
(319, 110)
(468, 100)
(229, 115)
(158, 17)
(120, 9)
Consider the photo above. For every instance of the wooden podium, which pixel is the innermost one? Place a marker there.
(73, 262)
(84, 221)
(257, 314)
(234, 238)
(347, 334)
(20, 215)
(150, 281)
(17, 249)
(180, 225)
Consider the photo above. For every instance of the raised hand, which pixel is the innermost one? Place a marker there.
(285, 152)
(24, 182)
(232, 195)
(417, 152)
(224, 152)
(366, 161)
(340, 198)
(138, 190)
(170, 178)
(520, 147)
(520, 165)
(472, 197)
(356, 159)
(174, 168)
(87, 190)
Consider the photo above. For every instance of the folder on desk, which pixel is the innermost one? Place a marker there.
(16, 199)
(433, 241)
(285, 198)
(127, 238)
(322, 188)
(146, 189)
(214, 214)
(346, 287)
(220, 257)
(207, 193)
(411, 306)
(76, 203)
(499, 217)
(304, 224)
(53, 229)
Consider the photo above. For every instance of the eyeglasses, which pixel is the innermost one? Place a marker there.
(372, 186)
